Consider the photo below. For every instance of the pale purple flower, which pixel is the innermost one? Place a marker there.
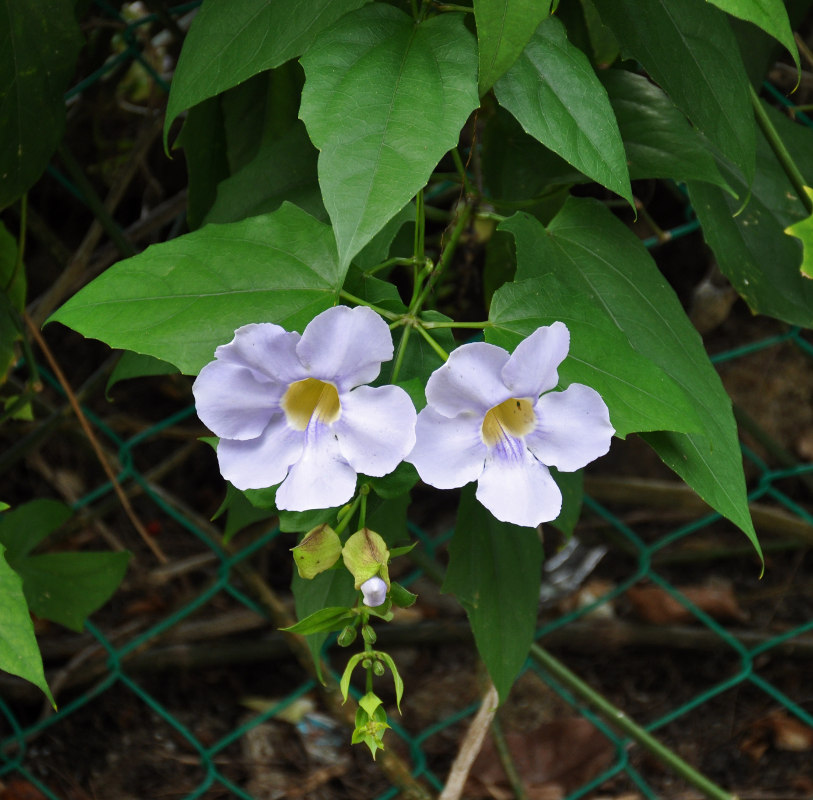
(485, 421)
(374, 591)
(292, 410)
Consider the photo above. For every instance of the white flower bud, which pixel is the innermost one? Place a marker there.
(374, 591)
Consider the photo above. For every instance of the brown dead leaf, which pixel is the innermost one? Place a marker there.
(778, 730)
(19, 789)
(552, 760)
(655, 605)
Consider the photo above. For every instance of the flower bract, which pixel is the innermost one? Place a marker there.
(491, 417)
(292, 409)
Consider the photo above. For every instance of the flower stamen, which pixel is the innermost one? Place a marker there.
(513, 417)
(308, 398)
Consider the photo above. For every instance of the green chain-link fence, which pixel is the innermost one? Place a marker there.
(746, 660)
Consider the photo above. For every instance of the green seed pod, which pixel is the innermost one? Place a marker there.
(369, 634)
(379, 668)
(347, 636)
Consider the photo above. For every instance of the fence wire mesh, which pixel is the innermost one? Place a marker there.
(123, 658)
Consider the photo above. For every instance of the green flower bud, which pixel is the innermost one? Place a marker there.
(378, 668)
(319, 550)
(369, 634)
(367, 663)
(347, 636)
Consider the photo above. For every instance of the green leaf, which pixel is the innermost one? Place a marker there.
(300, 521)
(19, 653)
(322, 621)
(803, 230)
(494, 570)
(539, 90)
(230, 42)
(399, 684)
(12, 299)
(398, 482)
(752, 248)
(770, 15)
(203, 139)
(384, 100)
(388, 517)
(179, 300)
(333, 588)
(689, 50)
(39, 43)
(344, 683)
(640, 394)
(657, 138)
(605, 264)
(400, 596)
(571, 485)
(504, 27)
(241, 512)
(68, 587)
(23, 528)
(283, 169)
(134, 365)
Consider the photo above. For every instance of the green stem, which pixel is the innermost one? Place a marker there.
(363, 510)
(780, 151)
(461, 168)
(453, 324)
(420, 227)
(445, 258)
(359, 302)
(398, 261)
(621, 721)
(453, 7)
(345, 520)
(399, 356)
(504, 751)
(432, 343)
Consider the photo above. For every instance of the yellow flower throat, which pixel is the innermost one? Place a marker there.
(306, 398)
(513, 417)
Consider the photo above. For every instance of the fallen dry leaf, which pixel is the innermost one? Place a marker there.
(655, 605)
(778, 730)
(552, 760)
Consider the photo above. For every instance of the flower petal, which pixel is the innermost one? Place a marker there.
(448, 452)
(469, 381)
(321, 478)
(519, 489)
(376, 429)
(233, 401)
(374, 592)
(267, 349)
(532, 367)
(573, 428)
(345, 346)
(264, 461)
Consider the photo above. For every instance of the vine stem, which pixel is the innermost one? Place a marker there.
(781, 152)
(360, 302)
(453, 324)
(432, 343)
(77, 409)
(470, 746)
(621, 721)
(445, 257)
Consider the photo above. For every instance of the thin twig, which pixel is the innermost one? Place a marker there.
(77, 409)
(470, 746)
